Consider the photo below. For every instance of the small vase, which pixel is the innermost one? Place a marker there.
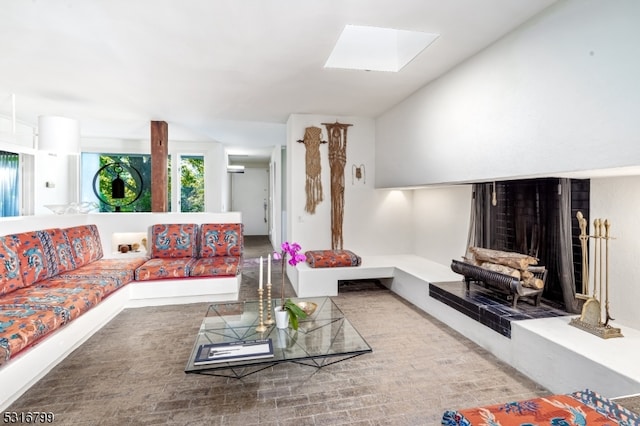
(282, 317)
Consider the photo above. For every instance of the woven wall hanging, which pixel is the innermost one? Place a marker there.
(337, 159)
(313, 183)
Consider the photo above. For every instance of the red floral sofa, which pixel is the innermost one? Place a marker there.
(578, 408)
(189, 250)
(50, 277)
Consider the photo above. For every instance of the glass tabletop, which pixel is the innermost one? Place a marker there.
(323, 338)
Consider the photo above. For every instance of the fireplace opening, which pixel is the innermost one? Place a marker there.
(524, 216)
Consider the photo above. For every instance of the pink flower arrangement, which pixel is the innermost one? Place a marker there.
(291, 249)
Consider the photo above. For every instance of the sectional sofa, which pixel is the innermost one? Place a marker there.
(57, 287)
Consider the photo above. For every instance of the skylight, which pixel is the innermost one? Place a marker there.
(377, 49)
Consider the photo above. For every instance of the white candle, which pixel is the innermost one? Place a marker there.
(269, 268)
(260, 280)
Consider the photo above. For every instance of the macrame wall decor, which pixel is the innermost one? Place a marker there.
(337, 159)
(313, 185)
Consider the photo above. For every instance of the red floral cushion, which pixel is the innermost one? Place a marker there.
(21, 327)
(38, 259)
(332, 258)
(10, 276)
(64, 259)
(102, 284)
(216, 266)
(67, 300)
(157, 269)
(584, 408)
(174, 240)
(86, 246)
(221, 239)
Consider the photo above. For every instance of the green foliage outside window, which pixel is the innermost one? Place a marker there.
(192, 184)
(141, 163)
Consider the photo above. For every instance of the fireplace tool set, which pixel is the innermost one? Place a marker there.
(591, 318)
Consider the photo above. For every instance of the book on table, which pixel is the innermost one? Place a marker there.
(212, 353)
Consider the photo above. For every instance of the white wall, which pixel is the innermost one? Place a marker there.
(277, 195)
(618, 199)
(559, 94)
(441, 222)
(53, 180)
(375, 221)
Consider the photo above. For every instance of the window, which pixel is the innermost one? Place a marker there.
(117, 182)
(9, 184)
(191, 183)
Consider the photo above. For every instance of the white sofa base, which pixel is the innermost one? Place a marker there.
(32, 364)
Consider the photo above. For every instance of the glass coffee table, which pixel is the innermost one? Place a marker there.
(323, 338)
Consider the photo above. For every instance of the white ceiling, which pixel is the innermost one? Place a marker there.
(231, 71)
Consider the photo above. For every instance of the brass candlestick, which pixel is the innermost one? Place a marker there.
(261, 327)
(269, 320)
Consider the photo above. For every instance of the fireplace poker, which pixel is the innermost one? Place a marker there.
(582, 222)
(592, 310)
(596, 257)
(607, 225)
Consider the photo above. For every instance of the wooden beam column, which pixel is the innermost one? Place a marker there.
(159, 169)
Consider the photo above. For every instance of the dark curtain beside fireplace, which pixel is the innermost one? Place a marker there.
(534, 217)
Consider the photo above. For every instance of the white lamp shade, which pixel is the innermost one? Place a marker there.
(58, 134)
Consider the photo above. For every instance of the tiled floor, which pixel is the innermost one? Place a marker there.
(132, 372)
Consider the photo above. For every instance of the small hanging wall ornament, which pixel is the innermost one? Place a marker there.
(337, 160)
(313, 184)
(358, 172)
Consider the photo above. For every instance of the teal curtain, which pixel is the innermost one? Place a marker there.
(9, 187)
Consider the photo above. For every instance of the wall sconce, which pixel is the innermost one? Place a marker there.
(359, 173)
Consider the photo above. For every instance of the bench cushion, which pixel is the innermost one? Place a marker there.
(332, 258)
(10, 276)
(586, 406)
(21, 327)
(218, 266)
(157, 269)
(68, 301)
(221, 239)
(86, 246)
(38, 259)
(174, 240)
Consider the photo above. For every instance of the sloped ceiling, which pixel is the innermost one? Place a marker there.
(231, 71)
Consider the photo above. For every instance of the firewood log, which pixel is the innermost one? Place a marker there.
(533, 282)
(501, 269)
(514, 260)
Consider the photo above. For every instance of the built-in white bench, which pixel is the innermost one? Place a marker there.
(315, 282)
(30, 365)
(551, 352)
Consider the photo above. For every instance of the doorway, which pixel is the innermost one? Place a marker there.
(250, 195)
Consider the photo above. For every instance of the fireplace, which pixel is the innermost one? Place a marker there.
(523, 217)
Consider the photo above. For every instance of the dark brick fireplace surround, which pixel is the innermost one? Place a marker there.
(521, 221)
